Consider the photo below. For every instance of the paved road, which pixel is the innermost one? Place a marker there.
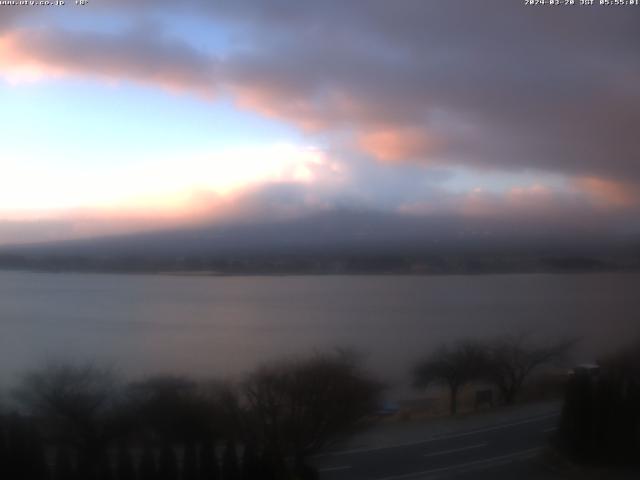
(443, 456)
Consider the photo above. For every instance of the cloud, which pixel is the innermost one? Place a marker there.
(424, 211)
(609, 194)
(140, 55)
(533, 200)
(488, 86)
(497, 85)
(398, 145)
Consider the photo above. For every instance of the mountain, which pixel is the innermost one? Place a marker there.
(337, 241)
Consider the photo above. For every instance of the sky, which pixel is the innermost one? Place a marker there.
(120, 116)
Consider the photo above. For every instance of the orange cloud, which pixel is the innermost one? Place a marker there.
(396, 144)
(608, 193)
(537, 194)
(17, 65)
(533, 199)
(520, 201)
(276, 105)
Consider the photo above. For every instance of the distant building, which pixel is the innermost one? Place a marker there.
(587, 369)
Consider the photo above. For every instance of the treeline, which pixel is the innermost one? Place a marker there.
(505, 363)
(75, 422)
(79, 422)
(313, 264)
(232, 264)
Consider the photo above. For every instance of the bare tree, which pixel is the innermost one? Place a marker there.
(512, 359)
(297, 407)
(173, 407)
(77, 406)
(451, 366)
(25, 454)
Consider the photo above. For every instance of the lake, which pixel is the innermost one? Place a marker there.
(224, 326)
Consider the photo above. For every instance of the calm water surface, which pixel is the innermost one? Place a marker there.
(223, 326)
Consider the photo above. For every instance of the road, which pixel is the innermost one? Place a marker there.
(447, 455)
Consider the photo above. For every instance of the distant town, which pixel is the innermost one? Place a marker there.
(326, 264)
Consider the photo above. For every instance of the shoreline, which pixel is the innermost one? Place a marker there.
(217, 274)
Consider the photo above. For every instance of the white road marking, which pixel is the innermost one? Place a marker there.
(334, 469)
(454, 450)
(488, 462)
(436, 439)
